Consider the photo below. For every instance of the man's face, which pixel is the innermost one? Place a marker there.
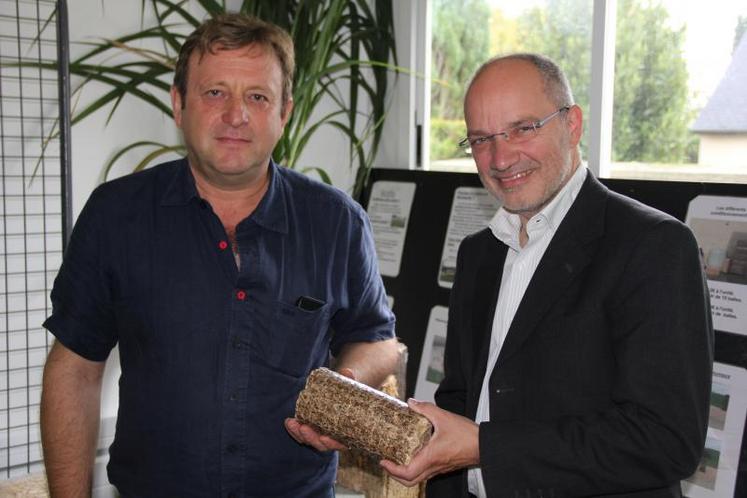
(233, 114)
(525, 176)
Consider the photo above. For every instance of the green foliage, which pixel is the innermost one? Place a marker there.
(445, 135)
(651, 108)
(562, 31)
(651, 113)
(343, 50)
(720, 400)
(460, 44)
(710, 458)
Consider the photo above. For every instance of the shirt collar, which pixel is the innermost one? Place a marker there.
(271, 213)
(505, 226)
(181, 186)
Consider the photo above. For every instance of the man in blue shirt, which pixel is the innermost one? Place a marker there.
(224, 279)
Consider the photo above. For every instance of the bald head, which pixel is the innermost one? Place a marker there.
(525, 97)
(554, 82)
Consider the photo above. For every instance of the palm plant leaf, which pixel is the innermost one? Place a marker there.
(319, 171)
(171, 8)
(104, 46)
(159, 150)
(343, 54)
(120, 88)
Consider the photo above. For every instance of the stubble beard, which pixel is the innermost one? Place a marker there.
(550, 191)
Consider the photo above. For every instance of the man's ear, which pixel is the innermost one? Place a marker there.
(285, 111)
(575, 120)
(176, 106)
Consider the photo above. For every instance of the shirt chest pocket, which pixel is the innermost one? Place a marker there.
(289, 339)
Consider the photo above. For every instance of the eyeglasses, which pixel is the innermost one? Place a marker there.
(515, 135)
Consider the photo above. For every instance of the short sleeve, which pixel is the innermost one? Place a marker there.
(367, 318)
(82, 311)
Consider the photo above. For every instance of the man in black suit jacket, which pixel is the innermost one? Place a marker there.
(580, 345)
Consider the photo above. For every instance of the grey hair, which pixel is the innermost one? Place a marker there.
(554, 80)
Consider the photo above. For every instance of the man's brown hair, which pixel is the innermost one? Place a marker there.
(233, 31)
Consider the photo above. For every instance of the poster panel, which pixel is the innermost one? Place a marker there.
(471, 210)
(720, 226)
(431, 369)
(389, 211)
(716, 475)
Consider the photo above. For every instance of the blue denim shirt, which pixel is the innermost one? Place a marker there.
(212, 356)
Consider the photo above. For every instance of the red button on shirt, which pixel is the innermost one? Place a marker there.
(241, 295)
(223, 245)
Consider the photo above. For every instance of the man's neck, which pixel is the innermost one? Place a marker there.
(232, 205)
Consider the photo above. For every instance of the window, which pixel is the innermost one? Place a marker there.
(660, 81)
(679, 107)
(465, 33)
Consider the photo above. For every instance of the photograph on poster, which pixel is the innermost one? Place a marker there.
(435, 372)
(724, 248)
(431, 369)
(719, 406)
(389, 211)
(446, 274)
(720, 227)
(705, 475)
(717, 472)
(471, 210)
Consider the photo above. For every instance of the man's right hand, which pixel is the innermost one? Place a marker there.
(453, 445)
(306, 434)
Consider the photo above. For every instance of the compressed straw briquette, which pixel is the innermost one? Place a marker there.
(362, 417)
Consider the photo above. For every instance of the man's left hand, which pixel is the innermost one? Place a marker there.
(453, 445)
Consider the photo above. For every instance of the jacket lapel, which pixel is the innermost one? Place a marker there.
(569, 252)
(485, 297)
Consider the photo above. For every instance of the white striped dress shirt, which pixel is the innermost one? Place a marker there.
(518, 269)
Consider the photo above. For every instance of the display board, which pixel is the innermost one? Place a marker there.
(429, 215)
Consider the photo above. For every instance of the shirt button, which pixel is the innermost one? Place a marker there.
(222, 245)
(240, 295)
(231, 448)
(233, 397)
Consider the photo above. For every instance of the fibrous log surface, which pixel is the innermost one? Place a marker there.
(362, 417)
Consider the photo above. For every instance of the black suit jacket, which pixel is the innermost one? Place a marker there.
(602, 385)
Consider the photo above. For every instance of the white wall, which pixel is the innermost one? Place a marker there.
(93, 141)
(723, 151)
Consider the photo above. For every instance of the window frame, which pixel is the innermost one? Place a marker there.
(407, 128)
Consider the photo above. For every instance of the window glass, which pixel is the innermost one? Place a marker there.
(680, 106)
(465, 33)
